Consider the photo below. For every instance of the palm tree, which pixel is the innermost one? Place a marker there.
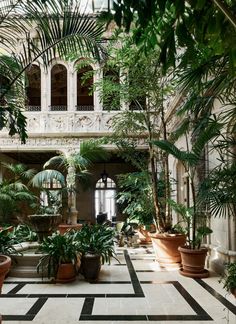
(45, 30)
(75, 165)
(13, 191)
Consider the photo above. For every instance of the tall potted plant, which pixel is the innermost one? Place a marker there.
(190, 160)
(144, 90)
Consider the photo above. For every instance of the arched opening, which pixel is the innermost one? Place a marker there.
(33, 88)
(58, 88)
(85, 100)
(111, 89)
(105, 202)
(51, 194)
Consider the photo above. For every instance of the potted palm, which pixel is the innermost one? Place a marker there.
(61, 257)
(192, 253)
(96, 243)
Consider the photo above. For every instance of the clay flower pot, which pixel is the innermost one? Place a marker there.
(66, 273)
(5, 264)
(166, 248)
(193, 262)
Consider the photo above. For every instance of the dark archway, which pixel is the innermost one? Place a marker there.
(59, 87)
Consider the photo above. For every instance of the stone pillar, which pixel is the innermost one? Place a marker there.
(71, 183)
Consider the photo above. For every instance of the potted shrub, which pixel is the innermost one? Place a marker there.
(192, 253)
(229, 278)
(96, 243)
(61, 257)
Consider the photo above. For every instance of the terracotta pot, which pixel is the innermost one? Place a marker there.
(166, 247)
(90, 266)
(63, 228)
(5, 264)
(233, 291)
(66, 273)
(193, 262)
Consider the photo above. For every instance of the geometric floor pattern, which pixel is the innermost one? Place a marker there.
(135, 290)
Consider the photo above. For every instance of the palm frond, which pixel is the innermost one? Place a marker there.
(47, 176)
(184, 156)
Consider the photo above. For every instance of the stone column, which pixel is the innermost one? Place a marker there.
(71, 183)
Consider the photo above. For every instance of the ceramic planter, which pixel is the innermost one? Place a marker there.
(193, 262)
(90, 266)
(66, 273)
(166, 248)
(5, 264)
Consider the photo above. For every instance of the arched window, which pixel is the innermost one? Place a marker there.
(50, 195)
(33, 88)
(84, 87)
(111, 90)
(105, 194)
(58, 87)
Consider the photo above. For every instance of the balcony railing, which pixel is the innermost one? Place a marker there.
(84, 108)
(33, 108)
(58, 108)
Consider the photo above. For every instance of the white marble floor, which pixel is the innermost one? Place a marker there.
(135, 290)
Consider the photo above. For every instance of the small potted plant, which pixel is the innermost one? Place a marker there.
(96, 243)
(229, 278)
(61, 257)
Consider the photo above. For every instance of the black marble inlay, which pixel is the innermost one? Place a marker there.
(191, 301)
(87, 307)
(113, 318)
(37, 306)
(111, 282)
(218, 296)
(133, 276)
(144, 270)
(17, 288)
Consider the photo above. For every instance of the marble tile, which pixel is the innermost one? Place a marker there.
(16, 306)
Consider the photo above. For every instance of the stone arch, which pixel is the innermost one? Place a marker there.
(59, 89)
(33, 88)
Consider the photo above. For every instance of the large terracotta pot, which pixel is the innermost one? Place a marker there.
(66, 273)
(90, 266)
(166, 248)
(5, 264)
(193, 262)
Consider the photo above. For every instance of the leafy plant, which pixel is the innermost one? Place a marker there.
(58, 249)
(14, 191)
(190, 161)
(23, 233)
(229, 277)
(7, 242)
(135, 197)
(96, 239)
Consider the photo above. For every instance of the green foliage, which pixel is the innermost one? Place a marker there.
(187, 215)
(135, 197)
(96, 239)
(23, 233)
(13, 191)
(229, 277)
(7, 242)
(58, 249)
